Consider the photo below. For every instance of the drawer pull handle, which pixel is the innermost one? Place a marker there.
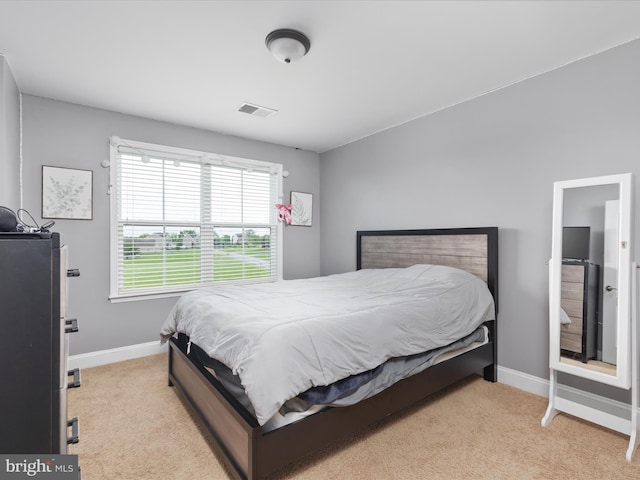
(76, 378)
(71, 325)
(75, 437)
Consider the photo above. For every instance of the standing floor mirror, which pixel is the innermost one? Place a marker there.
(592, 317)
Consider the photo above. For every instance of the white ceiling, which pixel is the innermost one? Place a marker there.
(372, 64)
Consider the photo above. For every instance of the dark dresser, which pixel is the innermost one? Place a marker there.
(580, 285)
(34, 345)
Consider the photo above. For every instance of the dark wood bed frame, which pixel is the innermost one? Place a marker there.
(251, 453)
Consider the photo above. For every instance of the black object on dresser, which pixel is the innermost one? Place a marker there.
(34, 345)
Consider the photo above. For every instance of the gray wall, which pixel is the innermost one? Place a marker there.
(492, 161)
(489, 161)
(67, 135)
(9, 138)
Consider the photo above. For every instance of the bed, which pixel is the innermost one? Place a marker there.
(251, 448)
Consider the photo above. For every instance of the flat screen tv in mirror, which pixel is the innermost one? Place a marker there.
(575, 243)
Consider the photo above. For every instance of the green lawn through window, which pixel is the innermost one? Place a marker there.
(182, 267)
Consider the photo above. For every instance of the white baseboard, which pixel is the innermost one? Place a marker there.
(104, 357)
(523, 381)
(514, 378)
(540, 386)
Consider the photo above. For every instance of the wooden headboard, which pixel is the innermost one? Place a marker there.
(472, 249)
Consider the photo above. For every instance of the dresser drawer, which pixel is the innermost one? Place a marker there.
(572, 291)
(571, 342)
(573, 274)
(574, 308)
(574, 327)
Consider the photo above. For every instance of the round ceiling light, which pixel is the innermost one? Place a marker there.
(287, 45)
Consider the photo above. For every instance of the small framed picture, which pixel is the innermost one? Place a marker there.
(301, 213)
(67, 193)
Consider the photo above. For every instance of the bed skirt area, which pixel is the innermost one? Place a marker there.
(250, 452)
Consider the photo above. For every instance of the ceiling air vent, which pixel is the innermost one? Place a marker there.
(256, 110)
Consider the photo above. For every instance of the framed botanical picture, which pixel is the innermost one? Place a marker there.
(302, 208)
(67, 193)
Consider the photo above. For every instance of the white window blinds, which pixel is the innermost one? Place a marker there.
(183, 219)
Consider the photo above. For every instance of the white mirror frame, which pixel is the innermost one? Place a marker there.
(622, 378)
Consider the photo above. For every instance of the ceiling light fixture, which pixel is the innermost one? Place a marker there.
(287, 45)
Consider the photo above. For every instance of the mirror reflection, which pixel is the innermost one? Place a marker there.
(589, 273)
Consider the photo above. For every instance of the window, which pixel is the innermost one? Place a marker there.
(182, 219)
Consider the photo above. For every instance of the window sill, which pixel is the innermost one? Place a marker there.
(149, 296)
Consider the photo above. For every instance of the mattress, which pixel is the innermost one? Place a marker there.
(368, 384)
(284, 338)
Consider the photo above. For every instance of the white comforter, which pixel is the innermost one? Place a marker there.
(283, 338)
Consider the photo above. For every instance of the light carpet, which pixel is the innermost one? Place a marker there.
(134, 426)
